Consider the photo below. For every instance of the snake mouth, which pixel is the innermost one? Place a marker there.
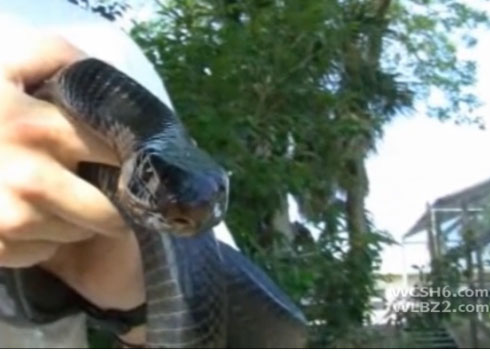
(180, 226)
(179, 219)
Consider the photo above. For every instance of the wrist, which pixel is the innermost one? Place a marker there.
(135, 338)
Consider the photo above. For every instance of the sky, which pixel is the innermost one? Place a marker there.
(420, 159)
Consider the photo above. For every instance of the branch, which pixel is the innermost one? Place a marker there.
(382, 8)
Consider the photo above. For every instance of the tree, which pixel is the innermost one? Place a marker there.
(291, 97)
(109, 9)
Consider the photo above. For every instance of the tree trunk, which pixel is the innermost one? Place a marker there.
(356, 192)
(356, 186)
(359, 56)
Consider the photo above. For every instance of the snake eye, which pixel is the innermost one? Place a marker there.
(134, 188)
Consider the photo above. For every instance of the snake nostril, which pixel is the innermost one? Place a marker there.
(219, 184)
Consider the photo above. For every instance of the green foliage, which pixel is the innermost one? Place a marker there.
(425, 38)
(290, 96)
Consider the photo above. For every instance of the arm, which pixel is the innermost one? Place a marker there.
(51, 216)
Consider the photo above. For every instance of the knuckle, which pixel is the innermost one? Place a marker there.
(18, 218)
(27, 179)
(32, 192)
(30, 131)
(27, 188)
(24, 131)
(16, 224)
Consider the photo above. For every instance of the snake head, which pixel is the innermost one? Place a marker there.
(186, 194)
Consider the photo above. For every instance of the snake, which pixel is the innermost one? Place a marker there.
(200, 293)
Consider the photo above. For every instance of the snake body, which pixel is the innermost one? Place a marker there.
(199, 292)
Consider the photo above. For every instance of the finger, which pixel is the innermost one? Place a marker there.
(43, 127)
(52, 229)
(36, 57)
(60, 192)
(15, 254)
(20, 221)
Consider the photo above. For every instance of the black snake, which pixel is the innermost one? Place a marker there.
(199, 291)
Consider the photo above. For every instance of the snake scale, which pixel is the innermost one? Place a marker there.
(199, 291)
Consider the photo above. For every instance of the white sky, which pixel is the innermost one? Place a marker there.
(421, 159)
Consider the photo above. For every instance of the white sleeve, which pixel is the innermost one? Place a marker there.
(89, 32)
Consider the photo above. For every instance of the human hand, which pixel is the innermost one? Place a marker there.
(48, 215)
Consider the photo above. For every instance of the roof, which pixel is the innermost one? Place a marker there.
(473, 196)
